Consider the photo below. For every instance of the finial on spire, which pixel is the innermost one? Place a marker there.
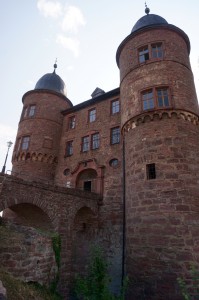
(55, 65)
(147, 10)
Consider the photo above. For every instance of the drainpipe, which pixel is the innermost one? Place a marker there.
(124, 211)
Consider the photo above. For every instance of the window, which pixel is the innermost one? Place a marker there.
(85, 143)
(115, 106)
(156, 50)
(150, 171)
(95, 141)
(25, 112)
(150, 51)
(147, 100)
(28, 111)
(31, 112)
(66, 172)
(25, 143)
(156, 97)
(18, 145)
(114, 162)
(92, 115)
(71, 124)
(143, 54)
(115, 135)
(162, 97)
(69, 148)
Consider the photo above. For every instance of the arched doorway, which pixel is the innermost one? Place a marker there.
(87, 180)
(85, 229)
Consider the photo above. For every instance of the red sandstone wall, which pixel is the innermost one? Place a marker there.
(108, 232)
(27, 254)
(39, 160)
(104, 122)
(62, 208)
(173, 71)
(162, 213)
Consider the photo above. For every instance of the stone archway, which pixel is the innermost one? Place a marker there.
(87, 180)
(85, 229)
(88, 175)
(29, 215)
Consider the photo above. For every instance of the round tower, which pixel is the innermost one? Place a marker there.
(38, 137)
(159, 115)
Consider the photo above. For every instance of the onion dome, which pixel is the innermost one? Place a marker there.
(52, 82)
(148, 20)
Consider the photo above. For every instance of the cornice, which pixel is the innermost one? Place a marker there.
(150, 116)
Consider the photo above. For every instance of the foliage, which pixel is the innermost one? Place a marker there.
(95, 286)
(56, 242)
(193, 285)
(16, 289)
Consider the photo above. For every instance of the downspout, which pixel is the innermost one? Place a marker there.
(124, 211)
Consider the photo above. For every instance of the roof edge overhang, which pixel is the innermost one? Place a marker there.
(42, 91)
(150, 27)
(93, 101)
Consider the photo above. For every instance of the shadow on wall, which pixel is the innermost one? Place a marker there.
(28, 215)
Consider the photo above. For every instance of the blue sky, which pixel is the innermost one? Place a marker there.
(84, 36)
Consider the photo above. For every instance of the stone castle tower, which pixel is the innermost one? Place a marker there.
(41, 123)
(159, 121)
(143, 162)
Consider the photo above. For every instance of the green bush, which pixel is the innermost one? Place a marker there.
(190, 289)
(56, 243)
(95, 285)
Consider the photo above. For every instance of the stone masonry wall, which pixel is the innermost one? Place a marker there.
(73, 214)
(172, 70)
(27, 254)
(162, 213)
(44, 129)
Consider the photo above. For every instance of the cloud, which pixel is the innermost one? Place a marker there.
(73, 19)
(70, 20)
(51, 9)
(71, 44)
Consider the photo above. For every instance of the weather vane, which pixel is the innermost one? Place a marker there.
(147, 10)
(55, 65)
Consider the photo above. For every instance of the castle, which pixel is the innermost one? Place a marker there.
(121, 169)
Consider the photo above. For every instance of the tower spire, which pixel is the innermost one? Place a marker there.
(55, 65)
(147, 10)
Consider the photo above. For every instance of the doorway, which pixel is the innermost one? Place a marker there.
(87, 186)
